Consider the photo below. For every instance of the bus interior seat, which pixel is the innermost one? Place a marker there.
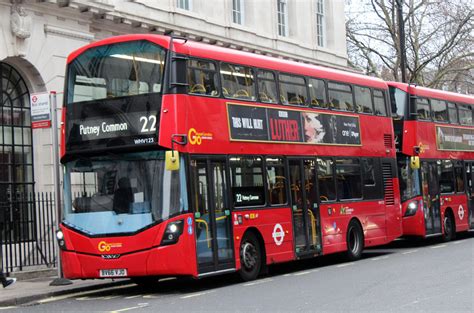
(242, 93)
(296, 100)
(198, 88)
(225, 92)
(263, 97)
(334, 104)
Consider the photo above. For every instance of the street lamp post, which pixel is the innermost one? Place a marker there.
(401, 37)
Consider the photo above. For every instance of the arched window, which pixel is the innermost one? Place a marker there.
(16, 151)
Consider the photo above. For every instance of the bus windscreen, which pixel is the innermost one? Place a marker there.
(121, 193)
(116, 70)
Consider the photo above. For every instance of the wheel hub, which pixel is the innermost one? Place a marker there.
(249, 255)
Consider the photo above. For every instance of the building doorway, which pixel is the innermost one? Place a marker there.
(16, 154)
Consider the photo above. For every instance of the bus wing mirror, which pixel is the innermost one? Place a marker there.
(172, 160)
(415, 162)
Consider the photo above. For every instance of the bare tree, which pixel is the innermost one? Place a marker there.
(439, 41)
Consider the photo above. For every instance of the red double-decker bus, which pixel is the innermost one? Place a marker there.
(435, 143)
(183, 158)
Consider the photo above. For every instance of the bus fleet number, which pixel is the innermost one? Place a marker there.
(149, 123)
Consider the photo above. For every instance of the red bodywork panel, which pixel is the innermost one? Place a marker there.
(456, 203)
(141, 254)
(191, 115)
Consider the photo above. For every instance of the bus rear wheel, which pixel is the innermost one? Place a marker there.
(250, 257)
(354, 240)
(448, 223)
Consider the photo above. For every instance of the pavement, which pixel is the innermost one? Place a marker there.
(35, 289)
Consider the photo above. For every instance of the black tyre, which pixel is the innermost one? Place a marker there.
(250, 257)
(448, 223)
(354, 240)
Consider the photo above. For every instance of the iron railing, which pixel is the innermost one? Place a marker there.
(27, 232)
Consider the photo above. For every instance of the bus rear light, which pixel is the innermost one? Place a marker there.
(411, 208)
(172, 233)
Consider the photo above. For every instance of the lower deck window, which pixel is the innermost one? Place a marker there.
(247, 181)
(348, 179)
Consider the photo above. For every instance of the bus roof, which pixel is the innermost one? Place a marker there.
(202, 50)
(433, 93)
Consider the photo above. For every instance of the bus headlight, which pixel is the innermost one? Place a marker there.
(60, 238)
(172, 233)
(411, 208)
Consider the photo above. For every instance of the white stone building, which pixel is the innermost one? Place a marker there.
(37, 36)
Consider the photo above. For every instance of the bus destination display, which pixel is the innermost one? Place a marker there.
(112, 123)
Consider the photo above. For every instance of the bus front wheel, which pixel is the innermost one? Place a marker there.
(354, 240)
(250, 257)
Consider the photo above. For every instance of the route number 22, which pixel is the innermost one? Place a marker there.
(148, 123)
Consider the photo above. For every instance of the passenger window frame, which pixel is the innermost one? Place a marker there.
(216, 72)
(304, 103)
(253, 89)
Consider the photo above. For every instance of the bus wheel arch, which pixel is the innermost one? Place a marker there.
(252, 255)
(354, 239)
(449, 225)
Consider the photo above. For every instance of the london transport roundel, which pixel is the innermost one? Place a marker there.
(461, 212)
(278, 234)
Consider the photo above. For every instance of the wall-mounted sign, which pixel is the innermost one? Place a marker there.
(250, 123)
(40, 110)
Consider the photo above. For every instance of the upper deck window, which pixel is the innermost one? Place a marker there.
(116, 70)
(363, 100)
(398, 99)
(465, 114)
(440, 111)
(267, 90)
(292, 89)
(202, 78)
(317, 93)
(238, 82)
(379, 103)
(453, 113)
(340, 97)
(423, 109)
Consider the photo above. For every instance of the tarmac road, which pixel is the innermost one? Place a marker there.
(405, 276)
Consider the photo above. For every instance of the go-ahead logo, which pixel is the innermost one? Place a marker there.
(196, 138)
(105, 246)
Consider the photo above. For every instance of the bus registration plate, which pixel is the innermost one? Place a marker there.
(118, 272)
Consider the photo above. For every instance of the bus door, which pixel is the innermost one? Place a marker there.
(305, 206)
(470, 191)
(431, 197)
(212, 216)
